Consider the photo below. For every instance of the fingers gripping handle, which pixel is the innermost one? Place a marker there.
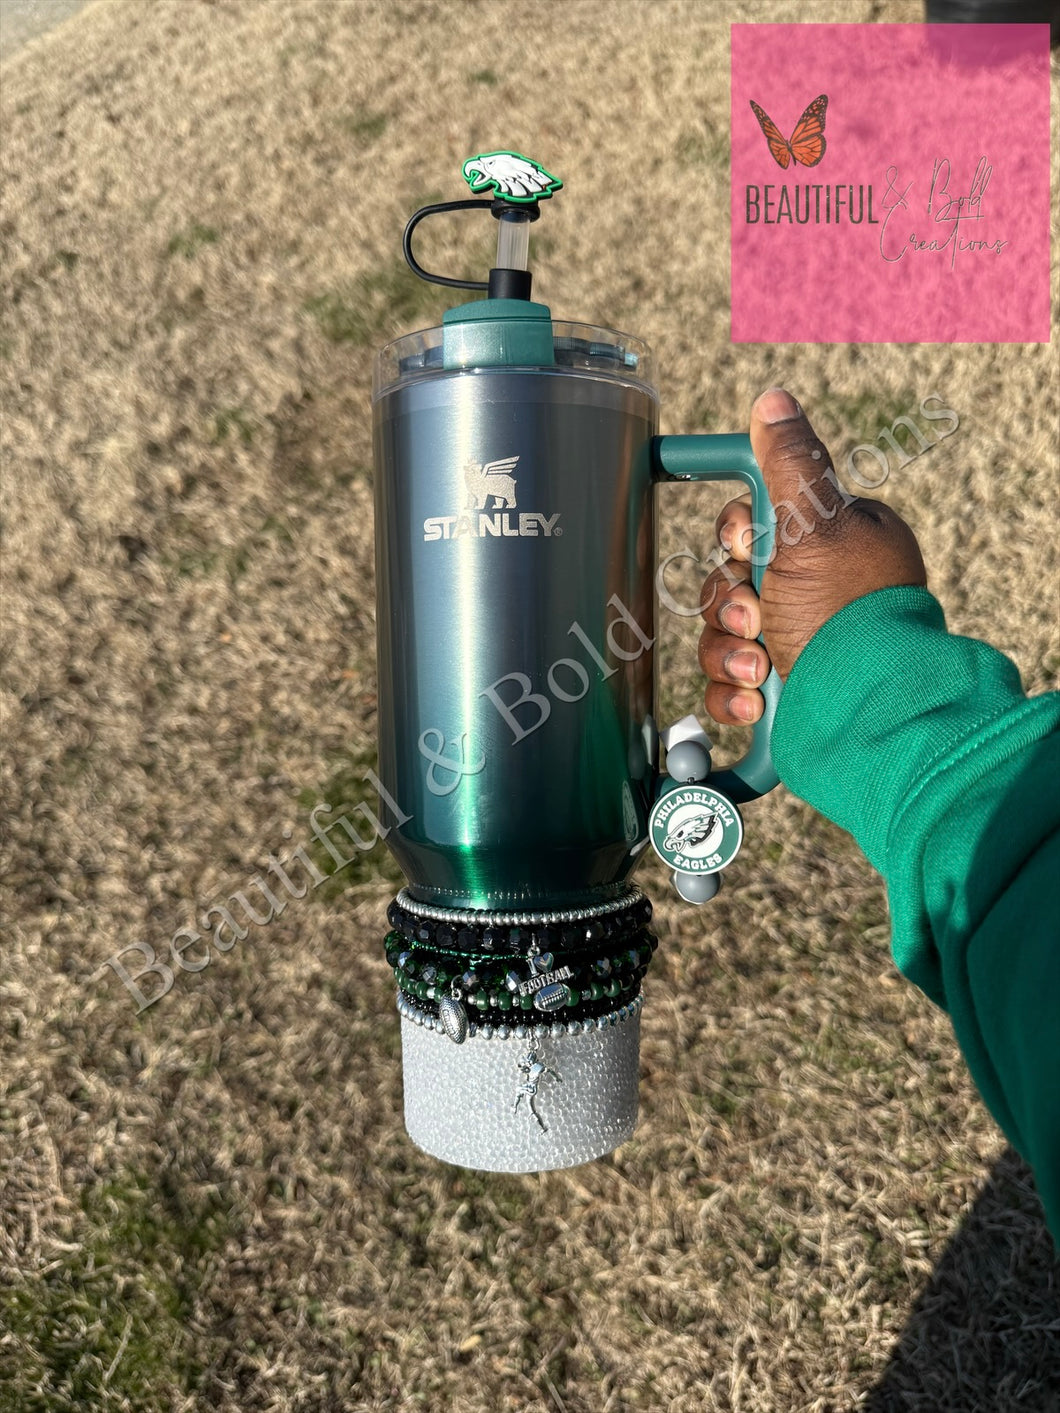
(728, 457)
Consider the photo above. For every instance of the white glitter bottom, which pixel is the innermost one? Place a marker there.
(460, 1099)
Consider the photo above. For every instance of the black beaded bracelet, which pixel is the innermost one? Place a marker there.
(492, 936)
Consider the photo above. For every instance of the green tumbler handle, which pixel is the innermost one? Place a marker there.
(728, 457)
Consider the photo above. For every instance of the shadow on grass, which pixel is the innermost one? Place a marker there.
(985, 1333)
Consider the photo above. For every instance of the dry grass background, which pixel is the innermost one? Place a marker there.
(212, 1205)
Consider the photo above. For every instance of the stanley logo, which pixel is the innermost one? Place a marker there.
(490, 508)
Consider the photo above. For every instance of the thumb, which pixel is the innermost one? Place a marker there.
(795, 464)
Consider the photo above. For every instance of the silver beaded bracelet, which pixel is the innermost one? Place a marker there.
(511, 919)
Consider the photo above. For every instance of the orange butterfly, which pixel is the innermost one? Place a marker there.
(807, 143)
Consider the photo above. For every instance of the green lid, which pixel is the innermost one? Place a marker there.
(497, 333)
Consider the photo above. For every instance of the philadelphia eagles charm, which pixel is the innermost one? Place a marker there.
(695, 829)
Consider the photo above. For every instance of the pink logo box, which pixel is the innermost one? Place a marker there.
(923, 216)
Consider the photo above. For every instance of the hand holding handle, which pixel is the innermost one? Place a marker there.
(728, 457)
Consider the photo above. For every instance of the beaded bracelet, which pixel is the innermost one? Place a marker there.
(539, 1031)
(546, 980)
(631, 896)
(548, 991)
(451, 1012)
(465, 960)
(493, 933)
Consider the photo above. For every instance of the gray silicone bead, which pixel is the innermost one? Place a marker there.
(688, 761)
(697, 887)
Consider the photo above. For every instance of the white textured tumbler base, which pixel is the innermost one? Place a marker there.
(460, 1100)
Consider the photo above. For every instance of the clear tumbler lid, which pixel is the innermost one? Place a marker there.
(577, 348)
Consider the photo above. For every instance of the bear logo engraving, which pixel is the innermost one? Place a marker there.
(494, 480)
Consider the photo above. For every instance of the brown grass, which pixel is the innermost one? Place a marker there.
(212, 1205)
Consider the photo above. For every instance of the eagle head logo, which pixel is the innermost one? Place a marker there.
(691, 832)
(510, 175)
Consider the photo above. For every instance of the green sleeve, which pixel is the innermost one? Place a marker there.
(923, 745)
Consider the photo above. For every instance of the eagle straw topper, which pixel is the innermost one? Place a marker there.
(509, 175)
(517, 467)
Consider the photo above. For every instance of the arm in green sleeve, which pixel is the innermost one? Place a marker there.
(923, 746)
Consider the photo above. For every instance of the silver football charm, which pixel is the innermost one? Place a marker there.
(454, 1019)
(552, 998)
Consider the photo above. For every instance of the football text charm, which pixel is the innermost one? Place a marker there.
(518, 476)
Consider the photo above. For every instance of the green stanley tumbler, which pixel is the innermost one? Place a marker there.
(516, 465)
